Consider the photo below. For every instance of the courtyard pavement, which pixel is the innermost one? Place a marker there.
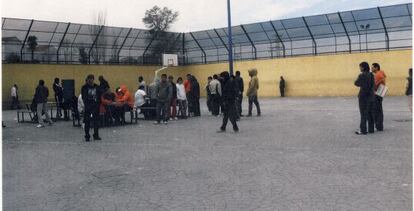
(302, 154)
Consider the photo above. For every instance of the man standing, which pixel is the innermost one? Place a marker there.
(252, 92)
(181, 99)
(172, 111)
(57, 88)
(41, 94)
(164, 92)
(208, 92)
(378, 112)
(195, 95)
(187, 86)
(282, 86)
(229, 103)
(15, 97)
(366, 84)
(409, 89)
(215, 92)
(240, 85)
(89, 93)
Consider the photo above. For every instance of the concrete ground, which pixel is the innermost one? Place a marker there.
(302, 154)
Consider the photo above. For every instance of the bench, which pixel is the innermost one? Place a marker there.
(76, 119)
(22, 113)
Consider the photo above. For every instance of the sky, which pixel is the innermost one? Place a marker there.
(194, 15)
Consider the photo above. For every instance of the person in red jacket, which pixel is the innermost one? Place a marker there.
(107, 106)
(187, 87)
(124, 101)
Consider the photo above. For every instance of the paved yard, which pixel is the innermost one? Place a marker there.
(302, 154)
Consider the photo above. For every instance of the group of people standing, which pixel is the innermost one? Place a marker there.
(225, 94)
(370, 100)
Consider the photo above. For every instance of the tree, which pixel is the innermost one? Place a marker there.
(32, 44)
(159, 21)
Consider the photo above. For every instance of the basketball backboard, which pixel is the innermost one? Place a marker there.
(169, 60)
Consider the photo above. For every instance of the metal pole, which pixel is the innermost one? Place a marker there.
(24, 41)
(315, 50)
(366, 39)
(278, 37)
(93, 44)
(148, 46)
(122, 45)
(230, 38)
(385, 30)
(204, 55)
(60, 44)
(222, 41)
(251, 42)
(346, 32)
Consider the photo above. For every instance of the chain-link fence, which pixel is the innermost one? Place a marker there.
(374, 29)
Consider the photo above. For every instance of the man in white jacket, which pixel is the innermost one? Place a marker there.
(181, 99)
(139, 98)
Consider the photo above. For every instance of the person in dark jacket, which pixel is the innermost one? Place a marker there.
(41, 95)
(409, 90)
(195, 95)
(282, 86)
(229, 95)
(172, 112)
(208, 92)
(57, 88)
(89, 93)
(366, 98)
(163, 92)
(240, 85)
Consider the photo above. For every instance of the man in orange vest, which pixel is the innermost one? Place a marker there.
(379, 80)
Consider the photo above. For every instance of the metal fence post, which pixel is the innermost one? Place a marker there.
(346, 32)
(202, 50)
(250, 40)
(25, 39)
(93, 44)
(311, 35)
(278, 37)
(122, 45)
(387, 38)
(60, 44)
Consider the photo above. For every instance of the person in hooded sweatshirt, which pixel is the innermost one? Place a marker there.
(125, 101)
(366, 99)
(252, 92)
(90, 99)
(229, 94)
(163, 92)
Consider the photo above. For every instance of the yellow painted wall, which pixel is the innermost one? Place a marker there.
(26, 76)
(328, 75)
